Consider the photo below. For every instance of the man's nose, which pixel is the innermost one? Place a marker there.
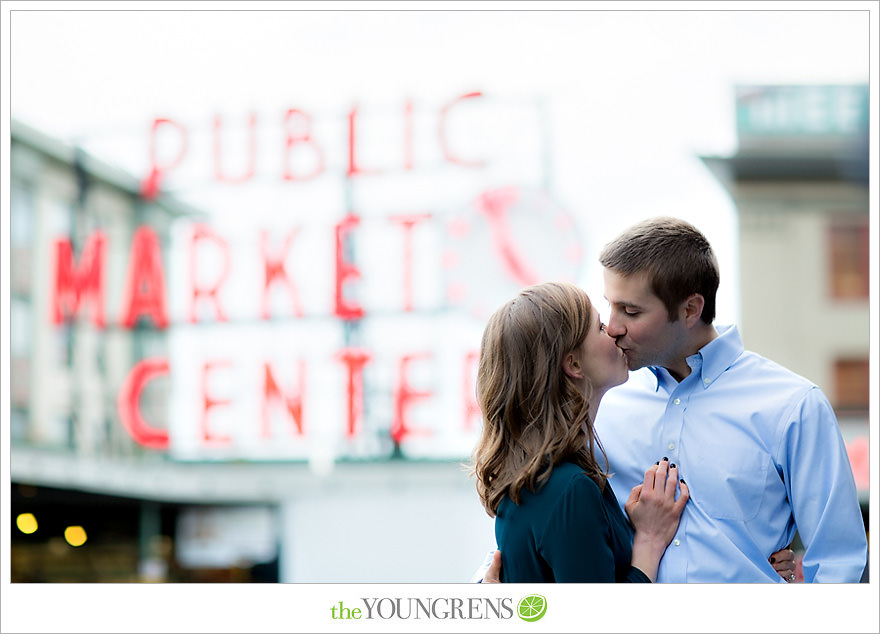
(613, 329)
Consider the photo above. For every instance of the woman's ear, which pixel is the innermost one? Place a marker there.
(572, 366)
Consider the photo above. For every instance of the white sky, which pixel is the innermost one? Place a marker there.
(637, 78)
(637, 90)
(84, 72)
(635, 95)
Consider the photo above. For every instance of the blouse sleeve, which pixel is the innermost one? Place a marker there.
(576, 541)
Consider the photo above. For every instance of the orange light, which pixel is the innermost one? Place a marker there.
(26, 523)
(75, 535)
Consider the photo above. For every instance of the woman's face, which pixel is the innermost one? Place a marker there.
(603, 363)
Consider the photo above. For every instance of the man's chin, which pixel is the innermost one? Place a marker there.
(633, 364)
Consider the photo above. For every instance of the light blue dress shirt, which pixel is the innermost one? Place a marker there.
(762, 454)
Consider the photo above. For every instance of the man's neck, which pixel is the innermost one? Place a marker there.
(701, 335)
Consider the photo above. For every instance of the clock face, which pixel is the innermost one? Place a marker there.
(504, 240)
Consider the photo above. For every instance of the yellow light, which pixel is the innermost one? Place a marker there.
(26, 523)
(75, 535)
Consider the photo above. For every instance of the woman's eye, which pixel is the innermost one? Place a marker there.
(601, 327)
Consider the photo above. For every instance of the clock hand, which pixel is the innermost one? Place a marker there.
(494, 206)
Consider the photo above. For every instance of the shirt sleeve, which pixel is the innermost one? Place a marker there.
(480, 572)
(824, 500)
(576, 541)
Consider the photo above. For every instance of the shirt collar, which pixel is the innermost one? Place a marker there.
(720, 353)
(711, 360)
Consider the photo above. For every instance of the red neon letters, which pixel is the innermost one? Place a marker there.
(145, 286)
(292, 402)
(275, 273)
(345, 271)
(129, 411)
(79, 278)
(73, 284)
(405, 397)
(354, 361)
(145, 297)
(204, 233)
(151, 185)
(298, 141)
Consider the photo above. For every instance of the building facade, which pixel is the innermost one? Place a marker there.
(799, 181)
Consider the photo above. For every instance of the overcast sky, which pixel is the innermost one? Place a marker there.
(634, 96)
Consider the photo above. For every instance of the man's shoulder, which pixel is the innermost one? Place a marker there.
(761, 368)
(750, 363)
(774, 386)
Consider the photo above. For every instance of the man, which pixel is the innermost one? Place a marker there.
(758, 445)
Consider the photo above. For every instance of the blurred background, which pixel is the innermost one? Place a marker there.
(251, 254)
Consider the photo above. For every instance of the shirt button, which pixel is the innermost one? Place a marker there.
(677, 401)
(677, 543)
(671, 445)
(706, 381)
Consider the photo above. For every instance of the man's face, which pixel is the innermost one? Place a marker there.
(639, 322)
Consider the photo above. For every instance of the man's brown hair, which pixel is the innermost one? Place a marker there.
(676, 257)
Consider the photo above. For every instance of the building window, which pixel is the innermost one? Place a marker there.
(21, 220)
(19, 351)
(851, 384)
(849, 257)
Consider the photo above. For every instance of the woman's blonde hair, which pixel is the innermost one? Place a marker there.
(534, 414)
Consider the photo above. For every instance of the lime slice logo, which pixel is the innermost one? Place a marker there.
(532, 607)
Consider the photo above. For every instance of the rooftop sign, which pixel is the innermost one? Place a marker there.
(820, 110)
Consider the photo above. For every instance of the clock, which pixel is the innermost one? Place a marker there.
(504, 240)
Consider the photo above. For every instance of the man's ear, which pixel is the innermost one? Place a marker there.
(693, 309)
(571, 366)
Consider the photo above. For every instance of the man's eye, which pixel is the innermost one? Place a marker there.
(631, 313)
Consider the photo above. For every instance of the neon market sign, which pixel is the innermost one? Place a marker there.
(317, 336)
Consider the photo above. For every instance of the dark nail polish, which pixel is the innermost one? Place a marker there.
(658, 462)
(665, 458)
(682, 481)
(773, 560)
(672, 466)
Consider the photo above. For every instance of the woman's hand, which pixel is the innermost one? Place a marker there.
(655, 513)
(783, 562)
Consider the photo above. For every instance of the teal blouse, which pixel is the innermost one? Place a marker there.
(567, 531)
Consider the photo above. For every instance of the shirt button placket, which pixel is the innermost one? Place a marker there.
(672, 442)
(675, 560)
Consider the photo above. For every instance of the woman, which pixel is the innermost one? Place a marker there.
(545, 363)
